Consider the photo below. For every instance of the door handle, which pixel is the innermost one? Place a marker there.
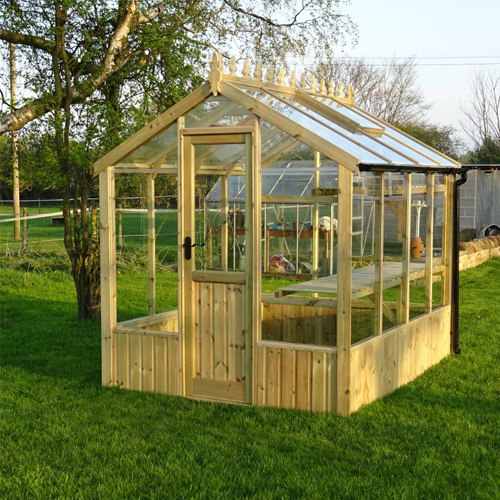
(187, 245)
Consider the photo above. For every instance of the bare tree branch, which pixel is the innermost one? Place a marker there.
(268, 20)
(483, 116)
(390, 92)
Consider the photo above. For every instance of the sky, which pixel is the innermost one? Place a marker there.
(460, 36)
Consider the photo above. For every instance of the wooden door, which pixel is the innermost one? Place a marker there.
(213, 233)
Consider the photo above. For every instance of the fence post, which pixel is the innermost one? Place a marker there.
(25, 230)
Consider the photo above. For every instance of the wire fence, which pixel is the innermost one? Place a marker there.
(41, 204)
(42, 234)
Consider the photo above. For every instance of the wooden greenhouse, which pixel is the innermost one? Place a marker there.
(314, 248)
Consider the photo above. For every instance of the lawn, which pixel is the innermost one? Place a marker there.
(64, 436)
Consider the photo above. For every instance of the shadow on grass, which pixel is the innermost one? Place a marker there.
(46, 338)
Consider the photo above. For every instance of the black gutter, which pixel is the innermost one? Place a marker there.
(391, 167)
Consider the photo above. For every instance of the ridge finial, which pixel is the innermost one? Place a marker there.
(215, 75)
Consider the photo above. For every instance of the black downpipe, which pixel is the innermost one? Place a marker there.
(455, 262)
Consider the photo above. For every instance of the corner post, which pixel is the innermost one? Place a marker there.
(108, 274)
(253, 258)
(344, 291)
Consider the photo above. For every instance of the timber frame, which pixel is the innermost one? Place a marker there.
(362, 312)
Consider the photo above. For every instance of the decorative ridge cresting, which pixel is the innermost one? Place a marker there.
(276, 79)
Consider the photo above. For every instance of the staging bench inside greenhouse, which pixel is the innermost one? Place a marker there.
(312, 248)
(362, 280)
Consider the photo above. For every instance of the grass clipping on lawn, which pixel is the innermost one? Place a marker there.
(63, 436)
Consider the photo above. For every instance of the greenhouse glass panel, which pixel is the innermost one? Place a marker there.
(164, 143)
(412, 155)
(364, 141)
(220, 157)
(394, 217)
(439, 241)
(348, 113)
(365, 292)
(216, 111)
(418, 244)
(235, 190)
(412, 143)
(306, 120)
(275, 144)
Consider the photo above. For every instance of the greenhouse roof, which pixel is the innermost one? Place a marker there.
(323, 117)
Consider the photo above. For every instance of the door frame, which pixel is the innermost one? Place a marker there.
(188, 139)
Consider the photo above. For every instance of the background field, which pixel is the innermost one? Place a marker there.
(63, 436)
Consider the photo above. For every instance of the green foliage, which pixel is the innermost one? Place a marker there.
(38, 173)
(487, 153)
(63, 436)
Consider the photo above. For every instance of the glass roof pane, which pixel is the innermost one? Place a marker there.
(364, 140)
(347, 112)
(305, 119)
(421, 159)
(412, 143)
(164, 143)
(424, 155)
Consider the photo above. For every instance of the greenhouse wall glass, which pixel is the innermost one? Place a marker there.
(310, 244)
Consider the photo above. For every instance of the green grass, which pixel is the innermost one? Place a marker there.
(63, 436)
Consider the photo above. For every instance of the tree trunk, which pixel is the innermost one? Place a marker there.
(80, 230)
(84, 256)
(15, 150)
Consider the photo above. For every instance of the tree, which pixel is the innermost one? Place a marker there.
(85, 61)
(389, 90)
(482, 123)
(96, 40)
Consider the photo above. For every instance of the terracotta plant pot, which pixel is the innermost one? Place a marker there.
(417, 246)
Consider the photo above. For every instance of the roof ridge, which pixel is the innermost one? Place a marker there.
(276, 80)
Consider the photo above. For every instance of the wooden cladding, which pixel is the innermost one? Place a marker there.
(220, 339)
(148, 354)
(148, 362)
(293, 378)
(299, 324)
(383, 363)
(287, 376)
